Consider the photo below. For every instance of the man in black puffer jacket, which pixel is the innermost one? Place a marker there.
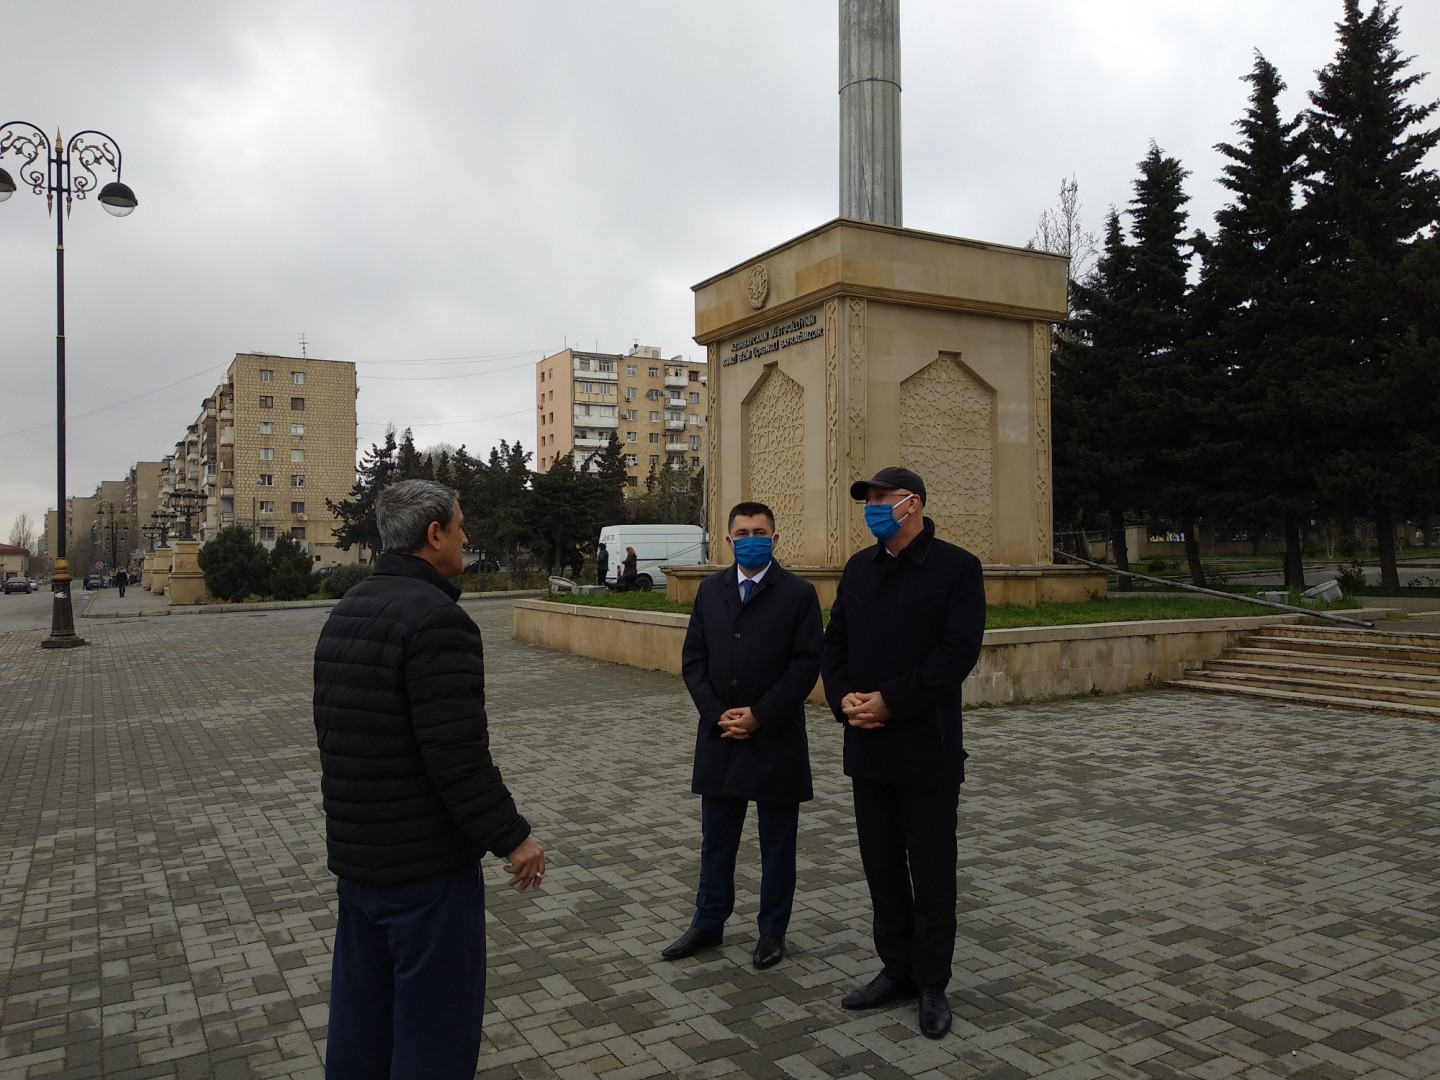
(412, 803)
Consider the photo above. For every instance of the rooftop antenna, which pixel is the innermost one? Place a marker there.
(303, 344)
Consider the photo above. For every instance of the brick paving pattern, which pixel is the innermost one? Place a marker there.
(1155, 885)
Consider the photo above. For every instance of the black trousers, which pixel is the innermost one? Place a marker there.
(908, 849)
(721, 821)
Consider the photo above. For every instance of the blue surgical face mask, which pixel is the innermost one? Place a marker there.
(753, 552)
(880, 519)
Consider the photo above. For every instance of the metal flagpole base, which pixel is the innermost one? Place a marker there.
(62, 615)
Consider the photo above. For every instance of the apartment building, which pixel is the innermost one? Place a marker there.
(656, 407)
(269, 447)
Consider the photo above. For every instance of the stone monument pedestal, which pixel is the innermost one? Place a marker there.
(187, 582)
(159, 565)
(859, 345)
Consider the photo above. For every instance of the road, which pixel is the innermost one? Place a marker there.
(31, 611)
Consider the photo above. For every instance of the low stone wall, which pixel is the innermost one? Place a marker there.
(1029, 664)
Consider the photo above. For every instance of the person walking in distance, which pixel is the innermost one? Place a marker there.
(121, 580)
(602, 563)
(750, 659)
(413, 801)
(628, 570)
(905, 630)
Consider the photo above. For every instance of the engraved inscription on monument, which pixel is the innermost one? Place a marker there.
(774, 338)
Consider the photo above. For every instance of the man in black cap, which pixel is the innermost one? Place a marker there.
(905, 631)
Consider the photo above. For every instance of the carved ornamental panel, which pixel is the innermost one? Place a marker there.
(775, 448)
(947, 435)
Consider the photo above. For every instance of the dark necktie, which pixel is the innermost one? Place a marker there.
(746, 586)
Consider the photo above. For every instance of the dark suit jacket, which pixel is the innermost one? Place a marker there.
(910, 626)
(765, 655)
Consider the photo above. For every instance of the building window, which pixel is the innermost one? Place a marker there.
(297, 404)
(584, 365)
(631, 436)
(654, 395)
(297, 378)
(542, 374)
(654, 417)
(695, 419)
(297, 532)
(631, 460)
(631, 371)
(630, 393)
(267, 402)
(297, 507)
(266, 375)
(654, 373)
(694, 463)
(297, 479)
(654, 460)
(605, 365)
(694, 442)
(267, 454)
(694, 375)
(694, 398)
(297, 456)
(266, 506)
(267, 428)
(654, 436)
(265, 480)
(267, 532)
(632, 481)
(298, 430)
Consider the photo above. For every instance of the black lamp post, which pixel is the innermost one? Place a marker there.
(185, 503)
(87, 150)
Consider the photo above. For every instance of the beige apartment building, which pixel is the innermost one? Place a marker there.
(656, 407)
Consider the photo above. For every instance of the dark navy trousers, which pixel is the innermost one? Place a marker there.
(407, 986)
(721, 821)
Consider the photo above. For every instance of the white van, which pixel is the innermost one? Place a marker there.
(655, 546)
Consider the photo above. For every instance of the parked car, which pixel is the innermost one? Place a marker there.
(94, 581)
(483, 565)
(19, 584)
(655, 546)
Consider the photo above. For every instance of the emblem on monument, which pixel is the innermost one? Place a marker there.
(758, 286)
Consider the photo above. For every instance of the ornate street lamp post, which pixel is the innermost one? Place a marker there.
(185, 503)
(88, 151)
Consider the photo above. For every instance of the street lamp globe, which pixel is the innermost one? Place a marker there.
(117, 198)
(7, 185)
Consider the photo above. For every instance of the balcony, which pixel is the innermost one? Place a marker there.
(677, 381)
(595, 376)
(677, 447)
(227, 436)
(597, 421)
(675, 402)
(674, 425)
(592, 444)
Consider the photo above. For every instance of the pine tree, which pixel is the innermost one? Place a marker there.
(357, 513)
(1368, 195)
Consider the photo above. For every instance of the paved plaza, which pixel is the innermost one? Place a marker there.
(1154, 885)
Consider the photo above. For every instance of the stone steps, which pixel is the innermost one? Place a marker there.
(1381, 670)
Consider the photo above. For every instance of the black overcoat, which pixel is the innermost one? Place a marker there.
(764, 655)
(909, 625)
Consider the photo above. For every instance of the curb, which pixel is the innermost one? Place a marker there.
(280, 605)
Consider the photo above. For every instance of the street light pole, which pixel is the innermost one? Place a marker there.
(88, 150)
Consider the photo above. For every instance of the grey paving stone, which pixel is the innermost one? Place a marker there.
(1153, 885)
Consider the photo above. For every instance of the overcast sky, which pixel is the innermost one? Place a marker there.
(444, 192)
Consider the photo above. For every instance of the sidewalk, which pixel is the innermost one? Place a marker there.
(1153, 886)
(108, 604)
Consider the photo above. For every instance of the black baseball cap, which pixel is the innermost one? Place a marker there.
(892, 476)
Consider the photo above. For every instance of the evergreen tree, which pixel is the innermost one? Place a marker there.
(288, 552)
(1259, 442)
(1368, 196)
(410, 464)
(494, 498)
(235, 565)
(357, 513)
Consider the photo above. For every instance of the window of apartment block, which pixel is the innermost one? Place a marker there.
(266, 375)
(694, 398)
(267, 453)
(298, 430)
(297, 404)
(694, 442)
(267, 506)
(694, 462)
(631, 436)
(630, 393)
(297, 378)
(297, 532)
(631, 414)
(267, 532)
(267, 402)
(584, 365)
(542, 374)
(632, 481)
(654, 436)
(297, 479)
(586, 388)
(654, 373)
(654, 417)
(605, 365)
(631, 460)
(654, 460)
(297, 456)
(265, 480)
(631, 371)
(267, 428)
(694, 418)
(297, 507)
(694, 375)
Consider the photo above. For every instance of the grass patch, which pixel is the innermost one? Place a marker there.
(1008, 616)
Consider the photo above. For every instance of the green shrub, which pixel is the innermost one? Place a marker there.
(235, 565)
(288, 583)
(1156, 566)
(343, 578)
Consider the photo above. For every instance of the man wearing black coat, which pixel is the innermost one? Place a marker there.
(751, 657)
(413, 801)
(905, 630)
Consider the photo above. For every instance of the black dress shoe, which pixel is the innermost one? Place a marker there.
(768, 951)
(880, 990)
(934, 1013)
(689, 943)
